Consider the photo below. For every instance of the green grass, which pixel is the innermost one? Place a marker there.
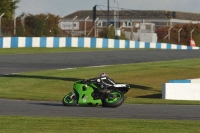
(4, 51)
(91, 125)
(145, 79)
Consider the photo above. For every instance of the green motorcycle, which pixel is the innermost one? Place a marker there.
(90, 94)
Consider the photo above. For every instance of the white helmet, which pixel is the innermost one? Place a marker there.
(103, 74)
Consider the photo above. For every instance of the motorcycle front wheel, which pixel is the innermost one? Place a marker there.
(114, 99)
(69, 99)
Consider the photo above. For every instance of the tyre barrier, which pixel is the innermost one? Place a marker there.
(188, 89)
(84, 42)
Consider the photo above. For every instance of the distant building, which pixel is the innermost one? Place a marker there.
(82, 23)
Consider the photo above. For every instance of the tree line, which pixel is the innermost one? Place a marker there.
(26, 25)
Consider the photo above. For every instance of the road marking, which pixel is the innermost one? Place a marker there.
(1, 75)
(66, 69)
(83, 67)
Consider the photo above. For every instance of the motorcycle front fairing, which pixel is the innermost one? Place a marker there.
(84, 94)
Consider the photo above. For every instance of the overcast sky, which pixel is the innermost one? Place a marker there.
(65, 7)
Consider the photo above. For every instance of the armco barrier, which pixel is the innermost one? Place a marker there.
(58, 42)
(188, 89)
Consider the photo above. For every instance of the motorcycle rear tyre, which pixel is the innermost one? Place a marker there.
(114, 103)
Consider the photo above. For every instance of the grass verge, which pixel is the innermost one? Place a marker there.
(97, 125)
(4, 51)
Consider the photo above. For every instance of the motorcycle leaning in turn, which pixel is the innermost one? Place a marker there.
(88, 93)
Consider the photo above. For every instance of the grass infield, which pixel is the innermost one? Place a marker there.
(94, 125)
(5, 51)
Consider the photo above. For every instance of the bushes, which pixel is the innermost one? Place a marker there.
(110, 33)
(34, 25)
(42, 25)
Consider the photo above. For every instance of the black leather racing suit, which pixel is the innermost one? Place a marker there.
(103, 82)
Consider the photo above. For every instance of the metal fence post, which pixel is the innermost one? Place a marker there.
(191, 33)
(95, 27)
(179, 38)
(169, 32)
(15, 24)
(0, 23)
(85, 27)
(73, 24)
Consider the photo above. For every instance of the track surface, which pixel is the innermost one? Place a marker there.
(34, 62)
(36, 108)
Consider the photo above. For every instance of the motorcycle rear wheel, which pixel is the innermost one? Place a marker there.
(113, 100)
(69, 99)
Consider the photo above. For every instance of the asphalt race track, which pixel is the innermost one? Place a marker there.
(38, 108)
(35, 62)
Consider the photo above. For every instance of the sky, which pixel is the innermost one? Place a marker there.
(65, 7)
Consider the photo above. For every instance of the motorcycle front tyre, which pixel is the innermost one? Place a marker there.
(70, 99)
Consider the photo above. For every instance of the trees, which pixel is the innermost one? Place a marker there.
(41, 25)
(8, 7)
(184, 34)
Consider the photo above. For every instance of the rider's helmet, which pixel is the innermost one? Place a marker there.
(103, 75)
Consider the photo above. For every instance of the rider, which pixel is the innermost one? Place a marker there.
(103, 81)
(106, 81)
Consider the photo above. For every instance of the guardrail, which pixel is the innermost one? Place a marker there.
(58, 42)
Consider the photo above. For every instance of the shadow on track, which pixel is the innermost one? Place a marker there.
(153, 96)
(133, 86)
(49, 104)
(61, 105)
(140, 87)
(41, 77)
